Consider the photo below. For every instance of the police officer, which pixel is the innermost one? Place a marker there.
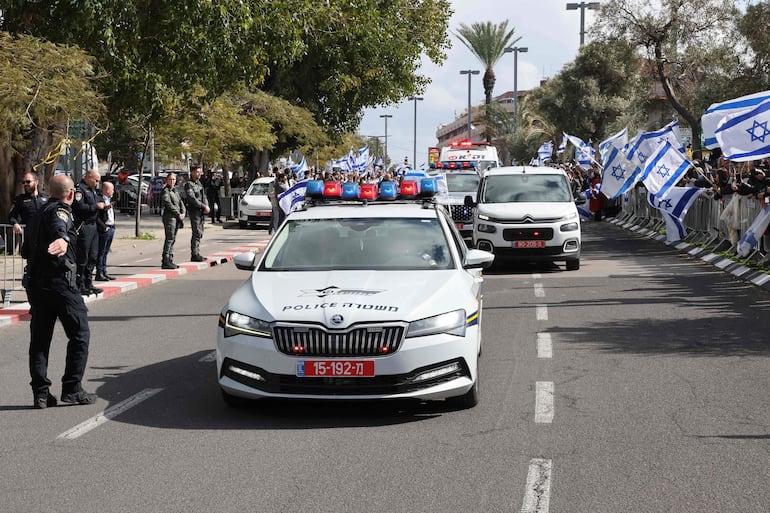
(26, 205)
(173, 216)
(51, 283)
(197, 208)
(86, 206)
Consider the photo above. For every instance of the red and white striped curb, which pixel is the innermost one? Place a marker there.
(20, 312)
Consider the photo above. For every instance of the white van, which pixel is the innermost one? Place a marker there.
(527, 213)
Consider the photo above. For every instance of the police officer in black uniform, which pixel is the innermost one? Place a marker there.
(51, 283)
(26, 205)
(86, 206)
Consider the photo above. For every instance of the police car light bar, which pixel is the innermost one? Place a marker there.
(464, 164)
(387, 191)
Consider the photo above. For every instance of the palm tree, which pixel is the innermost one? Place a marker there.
(487, 42)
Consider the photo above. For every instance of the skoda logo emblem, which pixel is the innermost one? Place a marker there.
(337, 319)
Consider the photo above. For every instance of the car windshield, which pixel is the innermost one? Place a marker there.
(359, 243)
(258, 189)
(462, 182)
(525, 188)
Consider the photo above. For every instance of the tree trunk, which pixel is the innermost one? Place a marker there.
(692, 120)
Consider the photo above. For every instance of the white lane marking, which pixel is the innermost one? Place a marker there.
(544, 402)
(541, 312)
(536, 276)
(108, 414)
(539, 290)
(537, 495)
(544, 345)
(142, 260)
(211, 357)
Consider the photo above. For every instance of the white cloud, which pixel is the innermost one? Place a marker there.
(547, 29)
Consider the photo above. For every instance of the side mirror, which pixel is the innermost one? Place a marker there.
(478, 259)
(581, 199)
(468, 202)
(245, 261)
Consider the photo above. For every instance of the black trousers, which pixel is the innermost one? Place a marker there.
(57, 301)
(88, 251)
(170, 228)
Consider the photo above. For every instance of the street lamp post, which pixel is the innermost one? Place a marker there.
(386, 116)
(415, 99)
(582, 6)
(516, 51)
(469, 72)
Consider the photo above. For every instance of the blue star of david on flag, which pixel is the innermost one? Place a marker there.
(663, 171)
(664, 204)
(618, 173)
(753, 131)
(642, 157)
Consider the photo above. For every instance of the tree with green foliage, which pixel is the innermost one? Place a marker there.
(598, 93)
(689, 42)
(487, 42)
(43, 87)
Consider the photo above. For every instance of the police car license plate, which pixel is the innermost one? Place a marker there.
(335, 368)
(524, 244)
(263, 214)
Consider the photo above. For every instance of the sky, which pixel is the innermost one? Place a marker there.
(547, 29)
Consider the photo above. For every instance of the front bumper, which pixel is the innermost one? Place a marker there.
(560, 245)
(434, 367)
(250, 215)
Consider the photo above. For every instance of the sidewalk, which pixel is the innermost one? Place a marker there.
(136, 262)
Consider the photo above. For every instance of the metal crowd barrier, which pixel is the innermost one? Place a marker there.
(12, 263)
(702, 220)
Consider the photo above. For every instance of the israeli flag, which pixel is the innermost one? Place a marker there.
(562, 145)
(618, 140)
(618, 173)
(717, 111)
(749, 240)
(380, 163)
(293, 197)
(664, 169)
(585, 156)
(545, 151)
(300, 169)
(577, 142)
(744, 135)
(442, 188)
(674, 207)
(583, 211)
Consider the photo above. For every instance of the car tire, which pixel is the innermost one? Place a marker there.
(573, 264)
(469, 399)
(243, 224)
(233, 401)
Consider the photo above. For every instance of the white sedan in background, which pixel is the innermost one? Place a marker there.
(254, 206)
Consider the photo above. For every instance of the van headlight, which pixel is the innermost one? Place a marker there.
(569, 227)
(452, 323)
(571, 215)
(236, 323)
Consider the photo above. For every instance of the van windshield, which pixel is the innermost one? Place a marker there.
(525, 189)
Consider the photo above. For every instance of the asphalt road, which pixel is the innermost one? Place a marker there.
(636, 384)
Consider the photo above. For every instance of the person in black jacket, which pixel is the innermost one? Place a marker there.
(51, 284)
(25, 206)
(85, 207)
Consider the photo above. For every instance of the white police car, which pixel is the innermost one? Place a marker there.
(357, 298)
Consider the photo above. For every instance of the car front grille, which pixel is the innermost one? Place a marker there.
(512, 234)
(357, 341)
(461, 213)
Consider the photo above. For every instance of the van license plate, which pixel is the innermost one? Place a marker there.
(524, 244)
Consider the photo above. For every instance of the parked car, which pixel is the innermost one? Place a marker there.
(254, 205)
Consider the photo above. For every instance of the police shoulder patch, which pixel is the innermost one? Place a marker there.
(63, 215)
(78, 195)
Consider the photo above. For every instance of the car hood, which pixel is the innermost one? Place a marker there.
(257, 201)
(350, 296)
(516, 211)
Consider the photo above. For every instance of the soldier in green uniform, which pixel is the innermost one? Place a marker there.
(173, 216)
(197, 208)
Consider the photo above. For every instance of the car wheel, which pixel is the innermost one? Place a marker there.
(469, 399)
(233, 401)
(573, 265)
(243, 224)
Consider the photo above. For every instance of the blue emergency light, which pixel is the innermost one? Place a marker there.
(388, 190)
(315, 189)
(350, 191)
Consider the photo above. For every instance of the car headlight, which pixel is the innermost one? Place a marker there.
(237, 323)
(484, 217)
(569, 227)
(452, 323)
(244, 203)
(486, 228)
(571, 215)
